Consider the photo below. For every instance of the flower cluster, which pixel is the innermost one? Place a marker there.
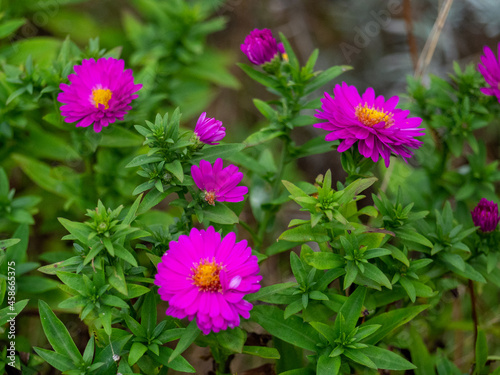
(205, 276)
(99, 93)
(485, 215)
(490, 69)
(375, 124)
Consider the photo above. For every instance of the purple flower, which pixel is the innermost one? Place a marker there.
(218, 183)
(485, 215)
(206, 277)
(99, 93)
(260, 46)
(377, 125)
(491, 72)
(209, 130)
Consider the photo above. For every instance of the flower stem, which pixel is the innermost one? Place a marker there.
(474, 313)
(274, 193)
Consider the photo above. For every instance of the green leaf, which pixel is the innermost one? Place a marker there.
(79, 231)
(351, 311)
(43, 175)
(264, 108)
(409, 287)
(481, 351)
(136, 352)
(148, 313)
(232, 339)
(386, 359)
(328, 365)
(220, 214)
(57, 334)
(178, 364)
(123, 253)
(374, 273)
(10, 312)
(260, 77)
(293, 330)
(324, 77)
(324, 260)
(261, 351)
(137, 329)
(176, 168)
(117, 279)
(304, 233)
(413, 236)
(269, 290)
(143, 159)
(56, 360)
(357, 356)
(152, 198)
(392, 320)
(262, 136)
(420, 355)
(188, 336)
(111, 300)
(10, 26)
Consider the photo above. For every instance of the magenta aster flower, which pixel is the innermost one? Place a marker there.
(485, 215)
(99, 93)
(491, 72)
(209, 130)
(206, 277)
(377, 125)
(218, 183)
(260, 46)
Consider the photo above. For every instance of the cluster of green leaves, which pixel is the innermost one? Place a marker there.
(452, 113)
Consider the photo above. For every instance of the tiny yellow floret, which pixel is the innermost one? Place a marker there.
(370, 116)
(206, 276)
(101, 96)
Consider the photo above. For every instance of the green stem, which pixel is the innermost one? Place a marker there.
(274, 193)
(474, 313)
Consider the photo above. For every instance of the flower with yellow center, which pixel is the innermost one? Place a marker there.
(206, 276)
(370, 116)
(370, 123)
(101, 96)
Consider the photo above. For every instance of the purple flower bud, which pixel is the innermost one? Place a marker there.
(485, 215)
(209, 130)
(260, 46)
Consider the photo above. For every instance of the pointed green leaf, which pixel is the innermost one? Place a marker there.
(57, 334)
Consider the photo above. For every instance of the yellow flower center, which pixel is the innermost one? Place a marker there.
(101, 96)
(206, 276)
(371, 116)
(210, 197)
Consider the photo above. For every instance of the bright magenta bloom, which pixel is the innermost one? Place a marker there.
(485, 215)
(491, 72)
(206, 277)
(377, 125)
(209, 130)
(218, 183)
(260, 46)
(99, 93)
